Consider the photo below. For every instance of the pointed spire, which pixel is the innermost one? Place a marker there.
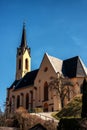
(23, 39)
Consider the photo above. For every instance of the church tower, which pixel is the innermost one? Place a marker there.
(23, 58)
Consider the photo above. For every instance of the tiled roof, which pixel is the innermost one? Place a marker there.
(14, 84)
(83, 65)
(27, 80)
(56, 63)
(73, 67)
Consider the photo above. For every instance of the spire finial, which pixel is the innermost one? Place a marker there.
(24, 24)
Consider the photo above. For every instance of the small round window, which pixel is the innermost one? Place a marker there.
(45, 69)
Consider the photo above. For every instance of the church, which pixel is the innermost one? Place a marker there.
(31, 87)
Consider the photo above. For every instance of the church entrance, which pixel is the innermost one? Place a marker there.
(45, 107)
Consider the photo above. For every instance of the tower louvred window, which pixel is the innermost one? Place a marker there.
(19, 64)
(26, 64)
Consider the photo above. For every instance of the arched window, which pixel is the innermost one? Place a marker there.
(10, 104)
(19, 64)
(13, 102)
(45, 107)
(45, 91)
(18, 101)
(26, 64)
(39, 93)
(27, 101)
(45, 69)
(31, 99)
(22, 99)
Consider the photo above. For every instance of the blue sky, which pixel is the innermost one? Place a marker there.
(58, 27)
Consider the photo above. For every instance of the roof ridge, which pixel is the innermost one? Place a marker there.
(51, 58)
(31, 71)
(51, 62)
(83, 65)
(27, 80)
(71, 58)
(54, 57)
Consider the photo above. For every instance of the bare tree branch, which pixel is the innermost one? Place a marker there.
(62, 86)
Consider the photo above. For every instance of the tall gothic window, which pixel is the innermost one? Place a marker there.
(31, 99)
(26, 64)
(18, 101)
(39, 93)
(27, 101)
(19, 64)
(10, 104)
(22, 99)
(46, 91)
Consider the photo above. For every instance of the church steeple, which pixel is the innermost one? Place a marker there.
(23, 58)
(23, 39)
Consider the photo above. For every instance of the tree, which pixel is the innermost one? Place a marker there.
(62, 86)
(0, 112)
(84, 99)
